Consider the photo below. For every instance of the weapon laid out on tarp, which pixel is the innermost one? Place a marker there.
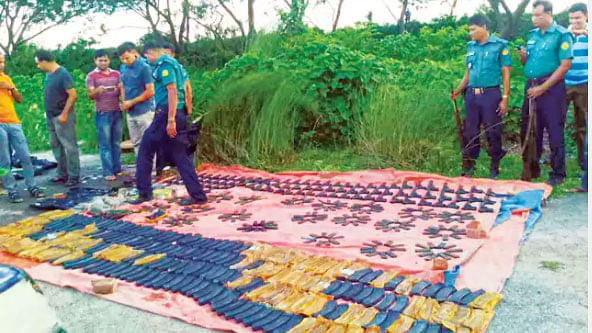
(528, 152)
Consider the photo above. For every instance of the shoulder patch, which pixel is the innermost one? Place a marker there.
(505, 52)
(565, 46)
(165, 73)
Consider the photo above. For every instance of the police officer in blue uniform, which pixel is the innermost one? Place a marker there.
(547, 59)
(488, 65)
(170, 119)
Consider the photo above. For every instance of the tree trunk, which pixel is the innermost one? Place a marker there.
(453, 7)
(401, 23)
(252, 31)
(512, 18)
(336, 21)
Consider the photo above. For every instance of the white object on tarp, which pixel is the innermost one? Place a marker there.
(23, 308)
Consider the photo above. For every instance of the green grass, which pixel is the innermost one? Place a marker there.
(554, 266)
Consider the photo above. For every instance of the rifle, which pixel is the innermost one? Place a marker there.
(529, 155)
(459, 123)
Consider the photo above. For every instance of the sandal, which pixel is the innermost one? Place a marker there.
(36, 192)
(14, 197)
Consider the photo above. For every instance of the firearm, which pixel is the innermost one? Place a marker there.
(529, 159)
(459, 123)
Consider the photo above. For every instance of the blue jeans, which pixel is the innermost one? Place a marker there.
(11, 135)
(109, 137)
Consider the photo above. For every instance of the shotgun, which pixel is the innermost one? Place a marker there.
(459, 123)
(529, 160)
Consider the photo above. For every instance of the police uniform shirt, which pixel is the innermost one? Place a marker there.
(485, 62)
(166, 71)
(546, 51)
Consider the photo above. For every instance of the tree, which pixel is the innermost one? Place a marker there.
(511, 19)
(405, 4)
(160, 13)
(336, 19)
(451, 4)
(24, 20)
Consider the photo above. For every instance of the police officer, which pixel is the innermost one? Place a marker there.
(170, 118)
(546, 60)
(488, 64)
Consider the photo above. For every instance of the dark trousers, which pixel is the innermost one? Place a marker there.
(483, 110)
(550, 115)
(154, 138)
(578, 95)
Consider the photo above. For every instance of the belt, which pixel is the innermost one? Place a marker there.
(481, 91)
(538, 80)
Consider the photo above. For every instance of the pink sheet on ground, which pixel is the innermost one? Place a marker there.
(486, 263)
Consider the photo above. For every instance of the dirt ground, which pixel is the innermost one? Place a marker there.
(547, 292)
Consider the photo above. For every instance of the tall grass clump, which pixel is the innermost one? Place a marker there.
(253, 119)
(413, 128)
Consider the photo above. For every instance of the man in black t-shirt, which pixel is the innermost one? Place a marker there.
(59, 98)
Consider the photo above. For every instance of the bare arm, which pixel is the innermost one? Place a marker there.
(16, 95)
(121, 92)
(188, 97)
(94, 92)
(172, 100)
(72, 97)
(462, 85)
(558, 74)
(146, 95)
(552, 80)
(506, 70)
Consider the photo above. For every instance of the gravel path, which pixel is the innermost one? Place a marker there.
(547, 292)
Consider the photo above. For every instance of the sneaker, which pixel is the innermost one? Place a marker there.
(139, 200)
(72, 182)
(111, 178)
(36, 192)
(14, 197)
(59, 180)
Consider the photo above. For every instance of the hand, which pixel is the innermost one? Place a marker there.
(535, 92)
(454, 94)
(5, 85)
(62, 118)
(126, 105)
(522, 53)
(171, 129)
(188, 109)
(503, 107)
(101, 89)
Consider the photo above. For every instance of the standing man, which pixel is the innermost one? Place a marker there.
(59, 98)
(137, 90)
(547, 59)
(170, 118)
(11, 135)
(576, 80)
(488, 65)
(103, 87)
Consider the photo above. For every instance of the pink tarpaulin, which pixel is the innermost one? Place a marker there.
(388, 235)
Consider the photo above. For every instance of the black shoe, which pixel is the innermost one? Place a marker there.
(139, 200)
(192, 201)
(468, 167)
(554, 181)
(494, 169)
(72, 182)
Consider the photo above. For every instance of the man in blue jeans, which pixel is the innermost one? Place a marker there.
(103, 87)
(11, 135)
